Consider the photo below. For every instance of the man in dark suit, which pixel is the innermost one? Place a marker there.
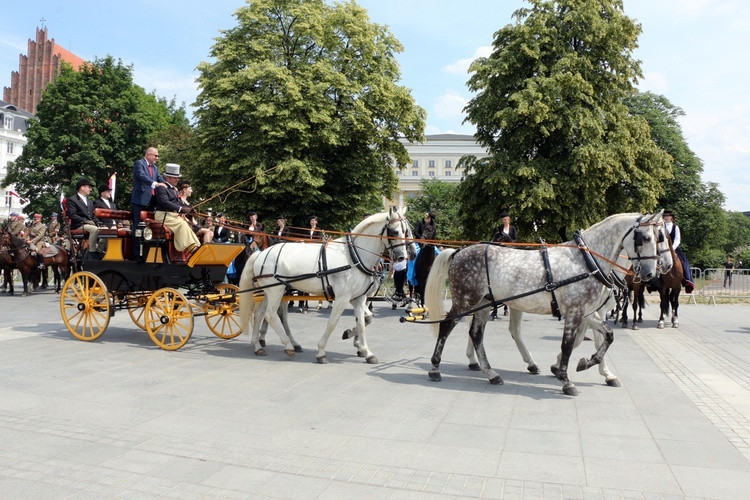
(105, 201)
(81, 214)
(171, 212)
(221, 233)
(146, 178)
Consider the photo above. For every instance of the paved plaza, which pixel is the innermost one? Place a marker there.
(121, 418)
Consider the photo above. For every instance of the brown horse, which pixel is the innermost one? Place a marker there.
(60, 267)
(21, 258)
(6, 267)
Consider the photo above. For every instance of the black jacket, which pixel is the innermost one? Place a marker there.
(81, 212)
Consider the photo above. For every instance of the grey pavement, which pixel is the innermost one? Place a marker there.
(121, 418)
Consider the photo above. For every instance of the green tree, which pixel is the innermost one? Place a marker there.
(90, 123)
(302, 104)
(698, 205)
(438, 197)
(549, 107)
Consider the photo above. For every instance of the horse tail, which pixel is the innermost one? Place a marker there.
(436, 285)
(247, 303)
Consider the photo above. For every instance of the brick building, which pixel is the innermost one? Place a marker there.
(36, 70)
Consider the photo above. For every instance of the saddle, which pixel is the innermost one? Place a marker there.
(50, 251)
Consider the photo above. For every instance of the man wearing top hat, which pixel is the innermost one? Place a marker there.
(170, 211)
(81, 214)
(105, 201)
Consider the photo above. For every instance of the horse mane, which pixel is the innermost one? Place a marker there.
(380, 218)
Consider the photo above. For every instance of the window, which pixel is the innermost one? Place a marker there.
(10, 147)
(447, 173)
(432, 173)
(431, 164)
(415, 164)
(448, 164)
(398, 172)
(415, 173)
(9, 122)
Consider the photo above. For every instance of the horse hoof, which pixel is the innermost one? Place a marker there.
(474, 367)
(298, 348)
(496, 380)
(372, 360)
(555, 370)
(262, 343)
(570, 390)
(583, 364)
(635, 327)
(675, 325)
(360, 354)
(660, 326)
(435, 376)
(322, 360)
(289, 352)
(613, 382)
(346, 334)
(533, 369)
(261, 352)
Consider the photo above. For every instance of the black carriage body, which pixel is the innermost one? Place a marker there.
(130, 277)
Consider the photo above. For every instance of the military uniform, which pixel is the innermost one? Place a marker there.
(53, 230)
(35, 235)
(16, 227)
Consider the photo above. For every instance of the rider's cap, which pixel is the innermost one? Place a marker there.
(54, 214)
(280, 217)
(504, 215)
(313, 217)
(38, 216)
(668, 212)
(83, 182)
(14, 214)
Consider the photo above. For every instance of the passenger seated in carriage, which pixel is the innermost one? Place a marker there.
(81, 214)
(172, 212)
(204, 233)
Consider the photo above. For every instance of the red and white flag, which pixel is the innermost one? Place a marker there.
(13, 193)
(62, 201)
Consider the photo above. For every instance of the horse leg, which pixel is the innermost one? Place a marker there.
(359, 317)
(446, 327)
(675, 298)
(352, 333)
(476, 334)
(572, 324)
(283, 313)
(664, 307)
(603, 337)
(260, 327)
(514, 326)
(273, 301)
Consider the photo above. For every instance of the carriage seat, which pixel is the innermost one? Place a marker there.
(162, 233)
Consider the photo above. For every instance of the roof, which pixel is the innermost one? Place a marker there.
(450, 137)
(68, 57)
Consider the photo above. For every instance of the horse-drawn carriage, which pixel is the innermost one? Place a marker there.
(148, 286)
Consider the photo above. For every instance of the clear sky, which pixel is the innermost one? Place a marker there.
(692, 51)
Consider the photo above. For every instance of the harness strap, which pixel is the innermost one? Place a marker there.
(591, 262)
(551, 285)
(322, 269)
(356, 258)
(487, 272)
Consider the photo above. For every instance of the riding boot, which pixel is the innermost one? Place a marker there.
(40, 260)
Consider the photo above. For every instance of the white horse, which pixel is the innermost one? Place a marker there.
(580, 269)
(345, 268)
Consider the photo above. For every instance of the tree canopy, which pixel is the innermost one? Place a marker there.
(564, 150)
(302, 104)
(90, 123)
(439, 198)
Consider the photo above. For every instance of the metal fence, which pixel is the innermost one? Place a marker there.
(717, 283)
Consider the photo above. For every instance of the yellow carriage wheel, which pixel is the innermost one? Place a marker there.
(85, 306)
(222, 316)
(137, 309)
(169, 319)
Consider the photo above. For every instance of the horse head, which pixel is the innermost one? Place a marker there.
(664, 247)
(399, 242)
(644, 249)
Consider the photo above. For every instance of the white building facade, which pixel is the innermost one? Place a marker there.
(435, 158)
(13, 125)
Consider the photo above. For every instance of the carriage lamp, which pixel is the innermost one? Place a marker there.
(148, 234)
(139, 233)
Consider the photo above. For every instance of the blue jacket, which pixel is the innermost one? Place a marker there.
(142, 181)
